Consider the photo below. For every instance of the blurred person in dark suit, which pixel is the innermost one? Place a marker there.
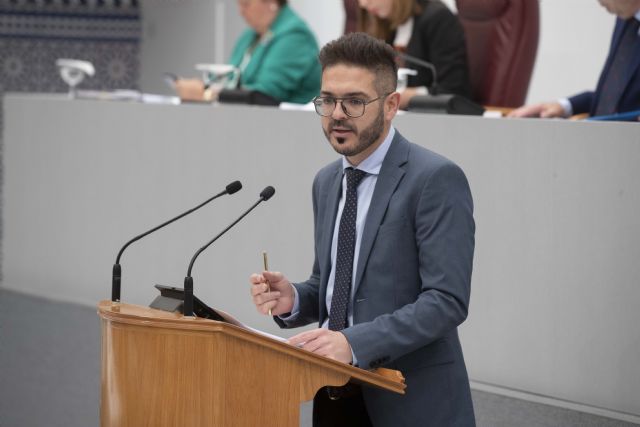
(618, 89)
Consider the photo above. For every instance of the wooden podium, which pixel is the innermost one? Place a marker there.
(164, 369)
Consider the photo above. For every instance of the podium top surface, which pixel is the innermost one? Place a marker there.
(129, 314)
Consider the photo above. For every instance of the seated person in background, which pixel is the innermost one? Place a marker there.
(424, 29)
(277, 56)
(618, 89)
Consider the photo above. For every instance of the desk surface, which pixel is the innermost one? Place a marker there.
(555, 283)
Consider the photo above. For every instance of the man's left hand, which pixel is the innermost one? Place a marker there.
(324, 342)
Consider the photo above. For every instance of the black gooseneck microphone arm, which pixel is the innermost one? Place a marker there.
(116, 276)
(433, 87)
(188, 280)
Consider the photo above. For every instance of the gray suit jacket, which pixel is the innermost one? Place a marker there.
(412, 283)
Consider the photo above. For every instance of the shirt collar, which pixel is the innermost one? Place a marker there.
(373, 163)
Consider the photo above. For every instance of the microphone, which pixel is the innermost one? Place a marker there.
(422, 63)
(233, 187)
(187, 310)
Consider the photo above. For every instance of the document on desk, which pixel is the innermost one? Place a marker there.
(289, 106)
(629, 116)
(127, 95)
(230, 319)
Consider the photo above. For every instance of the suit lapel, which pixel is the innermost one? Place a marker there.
(635, 64)
(256, 60)
(390, 175)
(615, 41)
(618, 33)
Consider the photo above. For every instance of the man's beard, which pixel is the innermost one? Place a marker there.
(366, 137)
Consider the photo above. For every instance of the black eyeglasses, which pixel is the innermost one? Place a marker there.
(351, 106)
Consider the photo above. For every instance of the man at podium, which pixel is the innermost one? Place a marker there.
(394, 241)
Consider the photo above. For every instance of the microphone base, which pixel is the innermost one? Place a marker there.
(243, 96)
(167, 304)
(171, 299)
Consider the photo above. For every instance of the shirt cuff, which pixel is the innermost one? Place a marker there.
(295, 310)
(566, 106)
(354, 359)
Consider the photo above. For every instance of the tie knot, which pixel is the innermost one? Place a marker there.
(354, 176)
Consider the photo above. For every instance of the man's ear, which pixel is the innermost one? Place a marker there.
(391, 105)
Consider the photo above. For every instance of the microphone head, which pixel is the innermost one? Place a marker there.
(267, 193)
(234, 187)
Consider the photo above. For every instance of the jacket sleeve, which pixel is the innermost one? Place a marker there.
(581, 103)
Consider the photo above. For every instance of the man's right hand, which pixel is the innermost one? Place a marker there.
(281, 297)
(546, 110)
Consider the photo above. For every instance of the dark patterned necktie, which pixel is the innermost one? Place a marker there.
(616, 79)
(344, 257)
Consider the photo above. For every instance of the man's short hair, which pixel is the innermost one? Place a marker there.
(362, 50)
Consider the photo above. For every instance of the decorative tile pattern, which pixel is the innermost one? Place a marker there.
(35, 33)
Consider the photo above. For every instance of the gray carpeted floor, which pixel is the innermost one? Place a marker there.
(49, 363)
(50, 373)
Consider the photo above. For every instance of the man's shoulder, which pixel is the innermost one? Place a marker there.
(329, 171)
(418, 156)
(426, 170)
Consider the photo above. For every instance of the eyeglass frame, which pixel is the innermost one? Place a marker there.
(345, 98)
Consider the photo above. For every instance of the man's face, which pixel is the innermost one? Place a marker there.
(624, 9)
(356, 138)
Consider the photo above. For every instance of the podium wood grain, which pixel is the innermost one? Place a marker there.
(163, 369)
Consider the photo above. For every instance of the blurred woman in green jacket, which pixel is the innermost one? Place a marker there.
(278, 54)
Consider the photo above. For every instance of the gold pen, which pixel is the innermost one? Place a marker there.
(266, 268)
